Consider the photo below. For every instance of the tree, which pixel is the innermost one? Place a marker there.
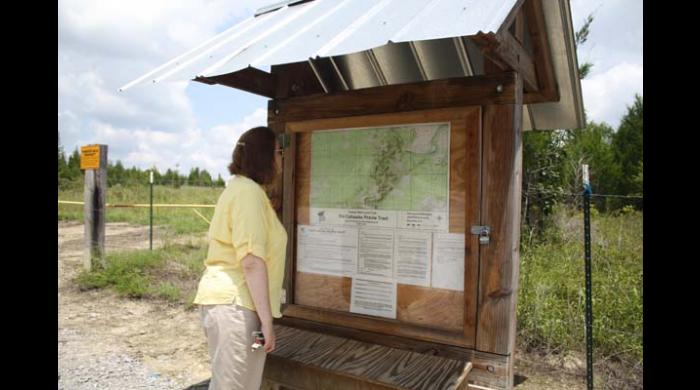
(63, 171)
(205, 178)
(115, 173)
(74, 172)
(638, 180)
(168, 178)
(157, 177)
(193, 178)
(543, 160)
(581, 36)
(547, 167)
(591, 145)
(69, 171)
(639, 183)
(61, 154)
(219, 181)
(628, 147)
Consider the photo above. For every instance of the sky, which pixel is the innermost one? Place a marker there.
(105, 44)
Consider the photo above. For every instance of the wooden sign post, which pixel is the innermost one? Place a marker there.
(93, 159)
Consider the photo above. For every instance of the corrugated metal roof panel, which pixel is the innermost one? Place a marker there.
(425, 38)
(398, 63)
(294, 33)
(441, 59)
(357, 71)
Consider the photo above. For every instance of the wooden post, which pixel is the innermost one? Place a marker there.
(150, 225)
(288, 206)
(500, 259)
(93, 159)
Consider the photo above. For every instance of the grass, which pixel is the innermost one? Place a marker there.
(170, 273)
(551, 299)
(177, 220)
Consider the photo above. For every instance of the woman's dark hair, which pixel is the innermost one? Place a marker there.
(254, 155)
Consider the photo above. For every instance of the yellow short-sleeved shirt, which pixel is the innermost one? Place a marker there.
(244, 222)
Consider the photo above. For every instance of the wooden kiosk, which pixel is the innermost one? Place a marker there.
(477, 324)
(401, 184)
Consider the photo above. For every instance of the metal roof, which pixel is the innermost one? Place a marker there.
(382, 42)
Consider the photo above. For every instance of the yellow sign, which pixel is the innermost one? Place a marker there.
(90, 157)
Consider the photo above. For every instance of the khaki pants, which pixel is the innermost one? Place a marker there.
(228, 330)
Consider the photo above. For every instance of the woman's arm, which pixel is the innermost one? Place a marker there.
(256, 276)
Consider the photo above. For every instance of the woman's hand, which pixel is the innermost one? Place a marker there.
(256, 276)
(270, 339)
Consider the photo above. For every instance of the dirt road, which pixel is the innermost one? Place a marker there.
(164, 343)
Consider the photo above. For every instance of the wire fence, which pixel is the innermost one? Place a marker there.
(571, 194)
(613, 370)
(64, 183)
(551, 300)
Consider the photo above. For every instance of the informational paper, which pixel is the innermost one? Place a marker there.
(448, 261)
(412, 257)
(328, 250)
(423, 220)
(353, 217)
(376, 252)
(373, 296)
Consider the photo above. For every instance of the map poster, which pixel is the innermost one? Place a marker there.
(379, 193)
(391, 176)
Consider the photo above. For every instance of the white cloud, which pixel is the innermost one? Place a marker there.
(229, 134)
(606, 95)
(616, 33)
(212, 149)
(208, 149)
(615, 49)
(104, 44)
(144, 30)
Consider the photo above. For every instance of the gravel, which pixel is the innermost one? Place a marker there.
(79, 369)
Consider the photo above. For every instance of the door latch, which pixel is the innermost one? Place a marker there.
(484, 233)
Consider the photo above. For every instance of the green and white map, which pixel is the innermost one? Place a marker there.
(403, 168)
(379, 213)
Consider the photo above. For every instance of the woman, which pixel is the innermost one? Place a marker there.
(240, 291)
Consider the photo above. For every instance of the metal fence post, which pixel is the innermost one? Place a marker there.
(150, 236)
(589, 305)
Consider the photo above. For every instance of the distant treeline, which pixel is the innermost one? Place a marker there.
(69, 173)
